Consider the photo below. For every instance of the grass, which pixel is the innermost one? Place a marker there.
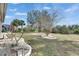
(64, 45)
(71, 37)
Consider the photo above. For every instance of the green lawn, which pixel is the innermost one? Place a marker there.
(64, 45)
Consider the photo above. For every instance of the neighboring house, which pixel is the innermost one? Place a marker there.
(5, 28)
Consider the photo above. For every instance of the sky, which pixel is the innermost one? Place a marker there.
(69, 11)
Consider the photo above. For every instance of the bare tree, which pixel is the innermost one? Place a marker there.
(43, 19)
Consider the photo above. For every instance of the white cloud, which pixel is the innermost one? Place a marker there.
(8, 16)
(13, 10)
(72, 9)
(46, 7)
(20, 13)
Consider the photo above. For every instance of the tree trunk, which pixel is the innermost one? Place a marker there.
(21, 28)
(39, 26)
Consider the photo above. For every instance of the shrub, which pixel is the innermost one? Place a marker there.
(76, 31)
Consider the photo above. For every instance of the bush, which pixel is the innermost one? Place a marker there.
(4, 29)
(76, 31)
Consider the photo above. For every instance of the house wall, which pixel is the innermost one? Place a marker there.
(0, 26)
(1, 35)
(2, 16)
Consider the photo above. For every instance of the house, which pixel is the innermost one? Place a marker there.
(2, 15)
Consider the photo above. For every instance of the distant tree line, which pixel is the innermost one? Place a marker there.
(71, 29)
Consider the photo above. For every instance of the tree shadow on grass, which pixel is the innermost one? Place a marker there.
(46, 47)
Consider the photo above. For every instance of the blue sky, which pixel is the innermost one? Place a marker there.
(19, 11)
